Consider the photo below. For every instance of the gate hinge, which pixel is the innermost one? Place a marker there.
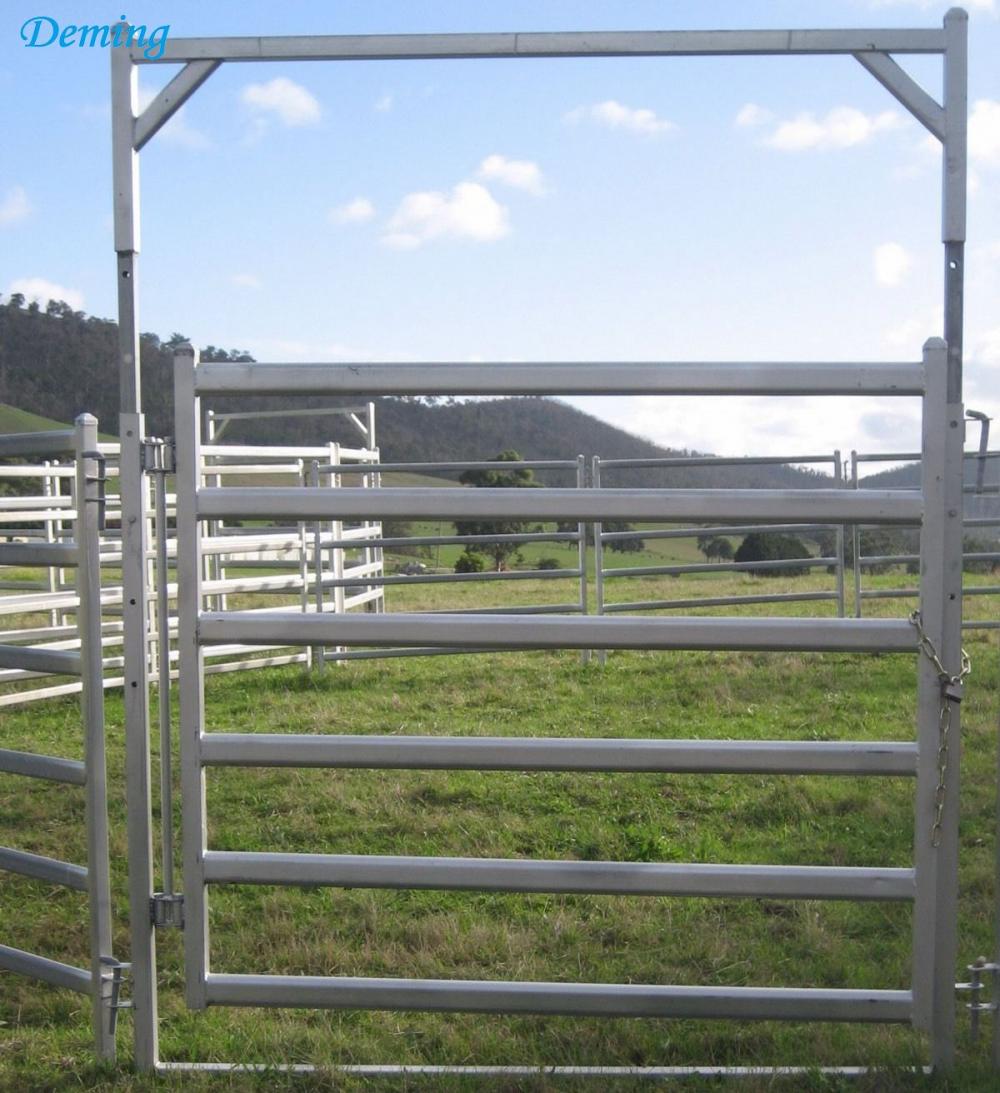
(167, 911)
(158, 455)
(975, 988)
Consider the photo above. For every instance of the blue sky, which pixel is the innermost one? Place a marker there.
(603, 209)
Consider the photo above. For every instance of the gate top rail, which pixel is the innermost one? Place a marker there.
(562, 378)
(647, 43)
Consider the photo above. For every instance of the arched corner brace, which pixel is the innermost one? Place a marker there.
(170, 100)
(903, 87)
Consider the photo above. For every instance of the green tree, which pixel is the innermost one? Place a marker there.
(519, 478)
(772, 546)
(716, 548)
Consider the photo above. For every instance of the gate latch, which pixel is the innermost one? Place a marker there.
(167, 911)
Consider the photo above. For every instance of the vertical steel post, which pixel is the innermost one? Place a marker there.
(319, 653)
(54, 574)
(378, 554)
(856, 542)
(581, 549)
(163, 673)
(89, 498)
(953, 207)
(838, 475)
(135, 613)
(595, 482)
(191, 673)
(935, 947)
(304, 562)
(213, 528)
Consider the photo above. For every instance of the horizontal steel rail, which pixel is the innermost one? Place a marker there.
(537, 875)
(571, 999)
(719, 567)
(695, 532)
(38, 659)
(39, 867)
(717, 601)
(39, 554)
(53, 442)
(450, 578)
(30, 504)
(53, 972)
(913, 457)
(51, 768)
(560, 632)
(563, 378)
(877, 506)
(473, 465)
(558, 754)
(713, 461)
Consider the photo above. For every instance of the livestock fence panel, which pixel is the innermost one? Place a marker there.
(929, 883)
(79, 657)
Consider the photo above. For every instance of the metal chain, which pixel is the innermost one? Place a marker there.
(951, 695)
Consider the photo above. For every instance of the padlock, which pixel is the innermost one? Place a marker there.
(952, 690)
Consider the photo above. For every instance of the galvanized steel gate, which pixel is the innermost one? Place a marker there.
(931, 883)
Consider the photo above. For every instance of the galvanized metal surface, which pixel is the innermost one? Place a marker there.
(431, 503)
(562, 378)
(606, 877)
(580, 999)
(558, 753)
(560, 632)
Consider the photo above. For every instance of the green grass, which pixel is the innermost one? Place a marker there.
(44, 1034)
(14, 420)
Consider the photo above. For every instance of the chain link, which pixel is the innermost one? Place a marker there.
(951, 695)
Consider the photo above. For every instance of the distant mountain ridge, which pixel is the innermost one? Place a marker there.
(57, 362)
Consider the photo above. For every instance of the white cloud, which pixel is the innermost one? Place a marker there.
(892, 263)
(37, 288)
(290, 102)
(246, 280)
(522, 174)
(615, 115)
(842, 127)
(383, 103)
(14, 207)
(750, 114)
(909, 335)
(469, 211)
(986, 347)
(984, 132)
(178, 131)
(354, 212)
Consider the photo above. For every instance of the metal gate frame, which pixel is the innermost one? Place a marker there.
(133, 128)
(101, 981)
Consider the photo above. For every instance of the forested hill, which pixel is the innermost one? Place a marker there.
(58, 363)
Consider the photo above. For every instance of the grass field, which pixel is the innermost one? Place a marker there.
(44, 1034)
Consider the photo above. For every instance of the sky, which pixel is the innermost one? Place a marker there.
(781, 208)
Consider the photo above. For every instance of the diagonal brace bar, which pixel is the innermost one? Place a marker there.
(170, 100)
(901, 85)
